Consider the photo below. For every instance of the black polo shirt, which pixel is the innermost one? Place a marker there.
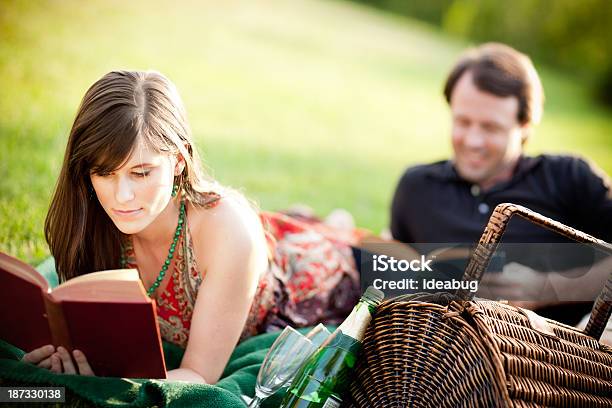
(433, 204)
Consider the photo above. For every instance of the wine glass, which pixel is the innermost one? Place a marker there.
(287, 354)
(318, 335)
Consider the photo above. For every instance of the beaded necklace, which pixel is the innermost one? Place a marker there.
(166, 265)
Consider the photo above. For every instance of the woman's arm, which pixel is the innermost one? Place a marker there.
(234, 253)
(186, 374)
(233, 248)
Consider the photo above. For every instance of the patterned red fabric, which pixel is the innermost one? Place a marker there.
(311, 278)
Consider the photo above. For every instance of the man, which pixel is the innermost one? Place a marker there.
(495, 97)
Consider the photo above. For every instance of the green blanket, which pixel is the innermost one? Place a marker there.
(237, 379)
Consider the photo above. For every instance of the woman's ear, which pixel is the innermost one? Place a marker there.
(180, 164)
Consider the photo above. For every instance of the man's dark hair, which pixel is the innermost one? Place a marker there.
(503, 71)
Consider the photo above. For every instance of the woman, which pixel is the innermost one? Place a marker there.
(131, 193)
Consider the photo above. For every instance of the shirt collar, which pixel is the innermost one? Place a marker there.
(446, 171)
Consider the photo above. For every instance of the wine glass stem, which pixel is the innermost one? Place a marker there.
(255, 402)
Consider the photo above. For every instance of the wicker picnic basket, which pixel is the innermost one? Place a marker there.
(452, 351)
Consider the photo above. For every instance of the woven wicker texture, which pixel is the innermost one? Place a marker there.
(451, 351)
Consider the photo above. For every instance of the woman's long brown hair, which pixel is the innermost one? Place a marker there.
(116, 111)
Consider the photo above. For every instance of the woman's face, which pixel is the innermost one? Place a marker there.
(135, 194)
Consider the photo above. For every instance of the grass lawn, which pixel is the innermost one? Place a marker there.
(312, 101)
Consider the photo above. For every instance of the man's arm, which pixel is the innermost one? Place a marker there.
(581, 283)
(524, 287)
(591, 202)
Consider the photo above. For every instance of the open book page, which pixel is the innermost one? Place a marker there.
(381, 246)
(400, 250)
(120, 285)
(451, 253)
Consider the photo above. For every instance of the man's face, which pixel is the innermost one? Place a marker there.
(486, 135)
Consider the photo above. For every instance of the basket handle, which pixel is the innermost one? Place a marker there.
(479, 261)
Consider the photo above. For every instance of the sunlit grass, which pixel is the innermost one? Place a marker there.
(320, 102)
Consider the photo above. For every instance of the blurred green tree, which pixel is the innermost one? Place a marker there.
(573, 35)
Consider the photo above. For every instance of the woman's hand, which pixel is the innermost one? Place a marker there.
(40, 356)
(59, 360)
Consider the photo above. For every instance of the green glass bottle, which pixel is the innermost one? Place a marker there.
(325, 377)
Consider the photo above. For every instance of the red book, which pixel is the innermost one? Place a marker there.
(106, 314)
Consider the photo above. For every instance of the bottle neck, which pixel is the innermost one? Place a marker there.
(357, 322)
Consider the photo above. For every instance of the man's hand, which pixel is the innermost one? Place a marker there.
(59, 360)
(517, 283)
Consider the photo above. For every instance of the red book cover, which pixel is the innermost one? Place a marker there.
(107, 315)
